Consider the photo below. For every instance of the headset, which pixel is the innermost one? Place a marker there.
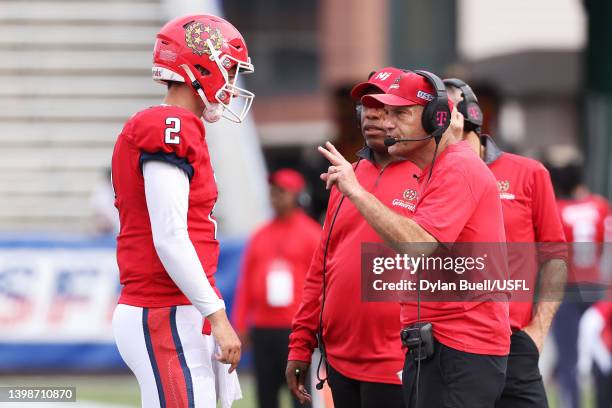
(469, 107)
(436, 115)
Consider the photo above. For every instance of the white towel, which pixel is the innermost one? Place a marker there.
(227, 385)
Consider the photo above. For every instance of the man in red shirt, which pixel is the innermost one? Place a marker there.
(595, 350)
(270, 286)
(167, 247)
(583, 215)
(458, 202)
(360, 339)
(529, 209)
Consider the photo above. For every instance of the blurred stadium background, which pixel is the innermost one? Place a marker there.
(72, 71)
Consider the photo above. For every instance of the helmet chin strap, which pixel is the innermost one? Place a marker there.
(213, 112)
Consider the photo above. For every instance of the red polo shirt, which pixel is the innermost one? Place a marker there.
(273, 270)
(530, 215)
(460, 203)
(361, 338)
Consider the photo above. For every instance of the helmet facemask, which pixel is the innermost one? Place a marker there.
(231, 94)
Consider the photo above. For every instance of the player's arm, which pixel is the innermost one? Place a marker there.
(552, 253)
(167, 196)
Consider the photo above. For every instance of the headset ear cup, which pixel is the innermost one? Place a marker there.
(427, 119)
(436, 118)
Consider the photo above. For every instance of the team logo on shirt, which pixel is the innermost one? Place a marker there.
(410, 194)
(196, 35)
(504, 187)
(407, 200)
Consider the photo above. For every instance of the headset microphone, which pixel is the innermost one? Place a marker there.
(389, 141)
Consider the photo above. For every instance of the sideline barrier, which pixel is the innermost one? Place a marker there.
(57, 296)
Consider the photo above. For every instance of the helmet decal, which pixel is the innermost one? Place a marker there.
(196, 35)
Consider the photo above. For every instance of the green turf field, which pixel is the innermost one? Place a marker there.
(115, 390)
(121, 391)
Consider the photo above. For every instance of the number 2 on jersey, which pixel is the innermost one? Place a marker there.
(172, 133)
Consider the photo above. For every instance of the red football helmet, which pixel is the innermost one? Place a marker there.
(204, 51)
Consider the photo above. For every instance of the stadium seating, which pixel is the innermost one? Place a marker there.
(72, 73)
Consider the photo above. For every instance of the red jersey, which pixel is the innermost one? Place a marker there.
(174, 135)
(530, 215)
(584, 221)
(460, 203)
(274, 267)
(361, 338)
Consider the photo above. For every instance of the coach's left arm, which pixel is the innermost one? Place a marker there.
(393, 228)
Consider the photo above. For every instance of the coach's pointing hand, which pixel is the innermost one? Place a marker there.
(226, 338)
(340, 172)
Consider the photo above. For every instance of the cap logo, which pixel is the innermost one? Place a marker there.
(425, 96)
(395, 84)
(383, 76)
(196, 35)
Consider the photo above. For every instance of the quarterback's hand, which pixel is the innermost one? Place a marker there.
(296, 377)
(226, 338)
(340, 172)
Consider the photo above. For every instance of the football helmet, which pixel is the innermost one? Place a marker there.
(208, 54)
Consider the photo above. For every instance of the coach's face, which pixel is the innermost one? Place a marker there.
(404, 122)
(373, 129)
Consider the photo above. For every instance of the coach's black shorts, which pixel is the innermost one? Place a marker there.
(524, 387)
(452, 378)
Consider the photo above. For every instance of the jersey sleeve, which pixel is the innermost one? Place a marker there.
(168, 135)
